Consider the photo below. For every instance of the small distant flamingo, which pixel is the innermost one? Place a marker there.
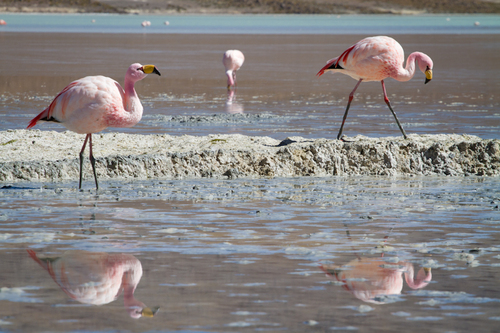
(97, 278)
(232, 60)
(375, 59)
(93, 103)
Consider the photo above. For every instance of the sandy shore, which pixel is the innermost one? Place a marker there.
(34, 155)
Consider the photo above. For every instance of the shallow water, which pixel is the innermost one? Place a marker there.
(246, 255)
(277, 79)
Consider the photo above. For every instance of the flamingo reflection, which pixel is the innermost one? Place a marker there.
(369, 279)
(97, 278)
(233, 107)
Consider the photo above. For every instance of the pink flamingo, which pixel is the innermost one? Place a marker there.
(369, 278)
(97, 278)
(375, 59)
(93, 103)
(232, 60)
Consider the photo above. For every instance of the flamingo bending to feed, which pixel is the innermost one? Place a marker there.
(93, 103)
(232, 60)
(375, 59)
(97, 278)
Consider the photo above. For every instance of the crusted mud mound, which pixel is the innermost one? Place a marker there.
(53, 156)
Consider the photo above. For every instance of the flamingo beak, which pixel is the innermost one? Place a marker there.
(428, 75)
(150, 312)
(148, 69)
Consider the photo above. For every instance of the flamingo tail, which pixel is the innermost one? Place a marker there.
(35, 258)
(42, 116)
(334, 63)
(331, 64)
(46, 115)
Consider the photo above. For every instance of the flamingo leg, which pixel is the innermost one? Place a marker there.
(351, 96)
(234, 78)
(386, 99)
(81, 159)
(92, 161)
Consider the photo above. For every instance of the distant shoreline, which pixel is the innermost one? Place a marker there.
(334, 7)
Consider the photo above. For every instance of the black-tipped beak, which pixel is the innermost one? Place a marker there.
(428, 75)
(156, 71)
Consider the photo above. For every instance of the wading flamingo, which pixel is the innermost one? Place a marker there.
(375, 59)
(93, 103)
(232, 60)
(97, 278)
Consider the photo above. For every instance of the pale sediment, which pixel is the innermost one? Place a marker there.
(34, 155)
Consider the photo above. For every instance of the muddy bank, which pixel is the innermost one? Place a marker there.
(53, 156)
(251, 6)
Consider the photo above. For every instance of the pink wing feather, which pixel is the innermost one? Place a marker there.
(47, 113)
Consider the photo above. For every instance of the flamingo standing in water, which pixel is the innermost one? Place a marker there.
(375, 59)
(232, 60)
(93, 103)
(97, 278)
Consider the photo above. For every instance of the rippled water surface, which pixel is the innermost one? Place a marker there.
(297, 255)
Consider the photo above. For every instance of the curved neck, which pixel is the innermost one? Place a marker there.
(132, 273)
(132, 108)
(405, 74)
(424, 276)
(229, 74)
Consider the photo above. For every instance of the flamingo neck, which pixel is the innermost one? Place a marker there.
(132, 273)
(424, 276)
(405, 74)
(132, 107)
(229, 74)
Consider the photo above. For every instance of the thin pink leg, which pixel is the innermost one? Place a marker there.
(81, 159)
(351, 96)
(386, 99)
(92, 161)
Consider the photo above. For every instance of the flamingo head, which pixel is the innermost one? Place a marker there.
(138, 72)
(425, 64)
(140, 310)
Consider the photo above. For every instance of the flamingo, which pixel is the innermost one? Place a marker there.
(232, 60)
(93, 103)
(375, 59)
(97, 278)
(370, 278)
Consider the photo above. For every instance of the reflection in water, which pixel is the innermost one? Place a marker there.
(370, 279)
(233, 107)
(97, 278)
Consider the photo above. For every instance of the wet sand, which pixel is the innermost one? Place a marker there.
(31, 155)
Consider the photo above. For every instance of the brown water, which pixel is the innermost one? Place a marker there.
(246, 255)
(278, 78)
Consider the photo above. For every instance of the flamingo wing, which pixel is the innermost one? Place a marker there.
(85, 105)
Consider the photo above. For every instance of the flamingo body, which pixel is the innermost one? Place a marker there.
(96, 277)
(375, 59)
(94, 103)
(232, 60)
